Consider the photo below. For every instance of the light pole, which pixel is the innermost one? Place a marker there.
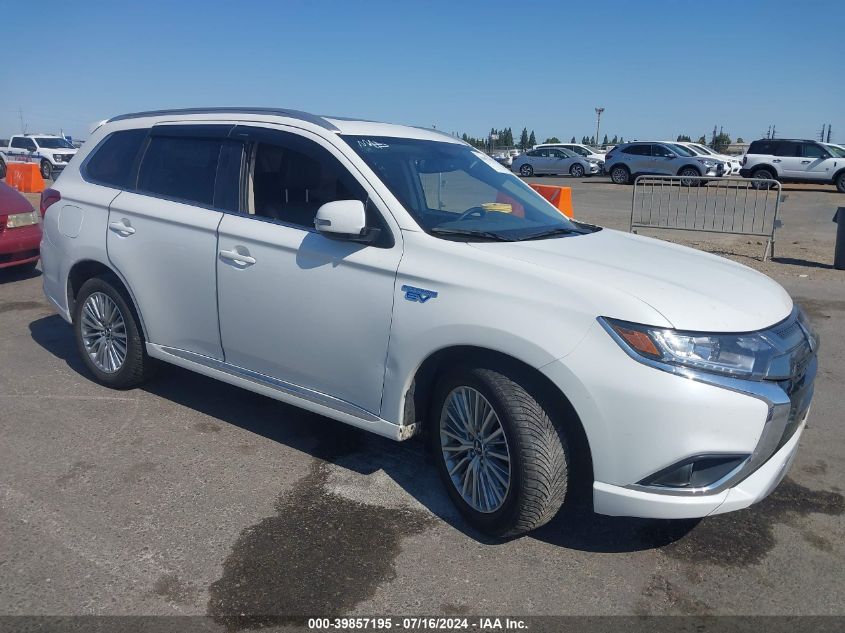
(598, 124)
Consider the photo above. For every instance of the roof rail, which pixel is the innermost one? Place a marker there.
(292, 114)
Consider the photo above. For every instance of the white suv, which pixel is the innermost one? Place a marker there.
(401, 281)
(791, 160)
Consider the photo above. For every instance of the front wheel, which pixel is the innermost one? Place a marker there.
(502, 459)
(689, 177)
(109, 337)
(526, 170)
(46, 169)
(576, 171)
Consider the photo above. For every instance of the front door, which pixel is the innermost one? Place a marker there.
(296, 306)
(818, 163)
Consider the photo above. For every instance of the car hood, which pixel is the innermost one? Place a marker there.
(692, 290)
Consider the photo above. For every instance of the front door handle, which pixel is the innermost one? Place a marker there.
(121, 227)
(805, 162)
(239, 258)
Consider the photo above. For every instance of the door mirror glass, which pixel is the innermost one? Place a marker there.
(344, 219)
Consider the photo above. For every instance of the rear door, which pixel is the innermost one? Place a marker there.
(788, 159)
(162, 235)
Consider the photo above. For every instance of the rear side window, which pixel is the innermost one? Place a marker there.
(638, 150)
(181, 167)
(786, 148)
(113, 162)
(762, 147)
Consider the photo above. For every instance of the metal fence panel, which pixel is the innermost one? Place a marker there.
(736, 206)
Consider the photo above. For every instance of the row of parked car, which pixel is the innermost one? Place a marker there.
(785, 160)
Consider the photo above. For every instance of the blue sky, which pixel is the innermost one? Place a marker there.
(659, 68)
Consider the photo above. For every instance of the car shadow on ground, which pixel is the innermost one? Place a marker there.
(408, 464)
(16, 273)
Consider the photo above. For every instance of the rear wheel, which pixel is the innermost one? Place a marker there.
(763, 173)
(46, 169)
(620, 175)
(2, 169)
(502, 459)
(576, 171)
(526, 170)
(108, 335)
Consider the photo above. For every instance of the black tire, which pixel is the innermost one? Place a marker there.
(620, 175)
(577, 171)
(46, 169)
(690, 173)
(137, 367)
(840, 182)
(526, 170)
(2, 169)
(765, 173)
(539, 467)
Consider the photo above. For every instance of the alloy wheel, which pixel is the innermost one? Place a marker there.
(475, 449)
(104, 332)
(577, 171)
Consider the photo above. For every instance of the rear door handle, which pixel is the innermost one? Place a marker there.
(235, 256)
(121, 227)
(805, 162)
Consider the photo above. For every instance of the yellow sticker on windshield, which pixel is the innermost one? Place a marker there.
(501, 207)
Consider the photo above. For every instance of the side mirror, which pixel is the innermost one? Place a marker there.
(671, 156)
(344, 220)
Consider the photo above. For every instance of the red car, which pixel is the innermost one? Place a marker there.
(20, 230)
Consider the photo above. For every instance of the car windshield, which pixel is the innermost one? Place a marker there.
(681, 150)
(835, 151)
(50, 142)
(456, 192)
(703, 149)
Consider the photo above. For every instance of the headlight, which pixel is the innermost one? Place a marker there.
(738, 355)
(705, 162)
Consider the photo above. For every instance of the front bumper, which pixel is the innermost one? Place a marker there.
(640, 421)
(19, 246)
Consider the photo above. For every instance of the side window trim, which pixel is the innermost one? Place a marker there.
(252, 135)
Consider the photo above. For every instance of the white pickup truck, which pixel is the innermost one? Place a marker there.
(51, 152)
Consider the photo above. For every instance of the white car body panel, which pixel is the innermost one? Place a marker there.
(335, 327)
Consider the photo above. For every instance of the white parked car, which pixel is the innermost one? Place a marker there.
(52, 153)
(732, 163)
(795, 160)
(403, 282)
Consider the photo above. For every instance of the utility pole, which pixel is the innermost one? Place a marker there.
(20, 115)
(828, 132)
(598, 123)
(774, 131)
(821, 134)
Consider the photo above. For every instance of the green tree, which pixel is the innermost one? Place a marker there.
(573, 140)
(621, 139)
(605, 141)
(739, 139)
(721, 142)
(532, 140)
(592, 140)
(684, 138)
(702, 140)
(615, 140)
(553, 139)
(584, 140)
(523, 139)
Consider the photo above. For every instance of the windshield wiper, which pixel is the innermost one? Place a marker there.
(487, 235)
(560, 230)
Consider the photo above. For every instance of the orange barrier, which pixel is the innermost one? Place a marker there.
(560, 197)
(25, 177)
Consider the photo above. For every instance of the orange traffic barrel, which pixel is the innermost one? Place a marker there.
(560, 197)
(25, 177)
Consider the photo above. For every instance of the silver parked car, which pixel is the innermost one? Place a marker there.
(629, 160)
(554, 160)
